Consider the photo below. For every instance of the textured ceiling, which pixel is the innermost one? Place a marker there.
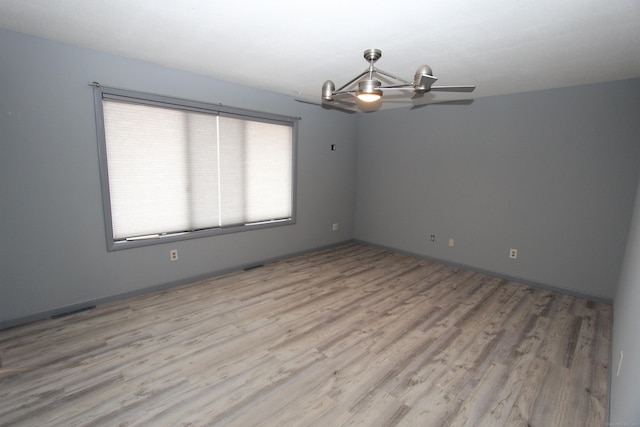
(292, 47)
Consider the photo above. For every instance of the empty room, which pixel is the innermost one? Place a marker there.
(319, 214)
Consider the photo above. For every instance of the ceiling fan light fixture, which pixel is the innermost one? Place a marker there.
(369, 97)
(368, 91)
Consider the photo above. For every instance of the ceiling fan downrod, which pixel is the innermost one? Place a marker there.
(369, 89)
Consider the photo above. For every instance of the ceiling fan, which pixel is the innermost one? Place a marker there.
(367, 87)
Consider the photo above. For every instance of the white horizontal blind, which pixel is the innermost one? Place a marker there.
(203, 189)
(255, 164)
(175, 170)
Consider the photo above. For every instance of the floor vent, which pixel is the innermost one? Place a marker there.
(69, 313)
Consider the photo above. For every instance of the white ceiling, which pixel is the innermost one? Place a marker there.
(292, 47)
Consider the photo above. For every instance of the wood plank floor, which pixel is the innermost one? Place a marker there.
(354, 335)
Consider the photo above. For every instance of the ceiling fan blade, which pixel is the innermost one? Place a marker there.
(329, 106)
(462, 88)
(398, 86)
(450, 102)
(423, 82)
(342, 101)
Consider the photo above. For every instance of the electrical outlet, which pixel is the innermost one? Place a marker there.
(432, 238)
(336, 226)
(173, 255)
(513, 253)
(452, 243)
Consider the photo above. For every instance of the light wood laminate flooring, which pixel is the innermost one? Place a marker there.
(353, 335)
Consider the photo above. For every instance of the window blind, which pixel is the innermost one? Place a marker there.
(175, 170)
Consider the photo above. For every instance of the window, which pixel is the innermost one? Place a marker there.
(174, 169)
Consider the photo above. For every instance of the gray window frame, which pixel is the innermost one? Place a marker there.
(100, 92)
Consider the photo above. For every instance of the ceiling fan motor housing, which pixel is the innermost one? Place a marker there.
(370, 86)
(423, 70)
(327, 90)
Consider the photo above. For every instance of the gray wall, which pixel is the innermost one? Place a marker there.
(550, 173)
(52, 248)
(625, 387)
